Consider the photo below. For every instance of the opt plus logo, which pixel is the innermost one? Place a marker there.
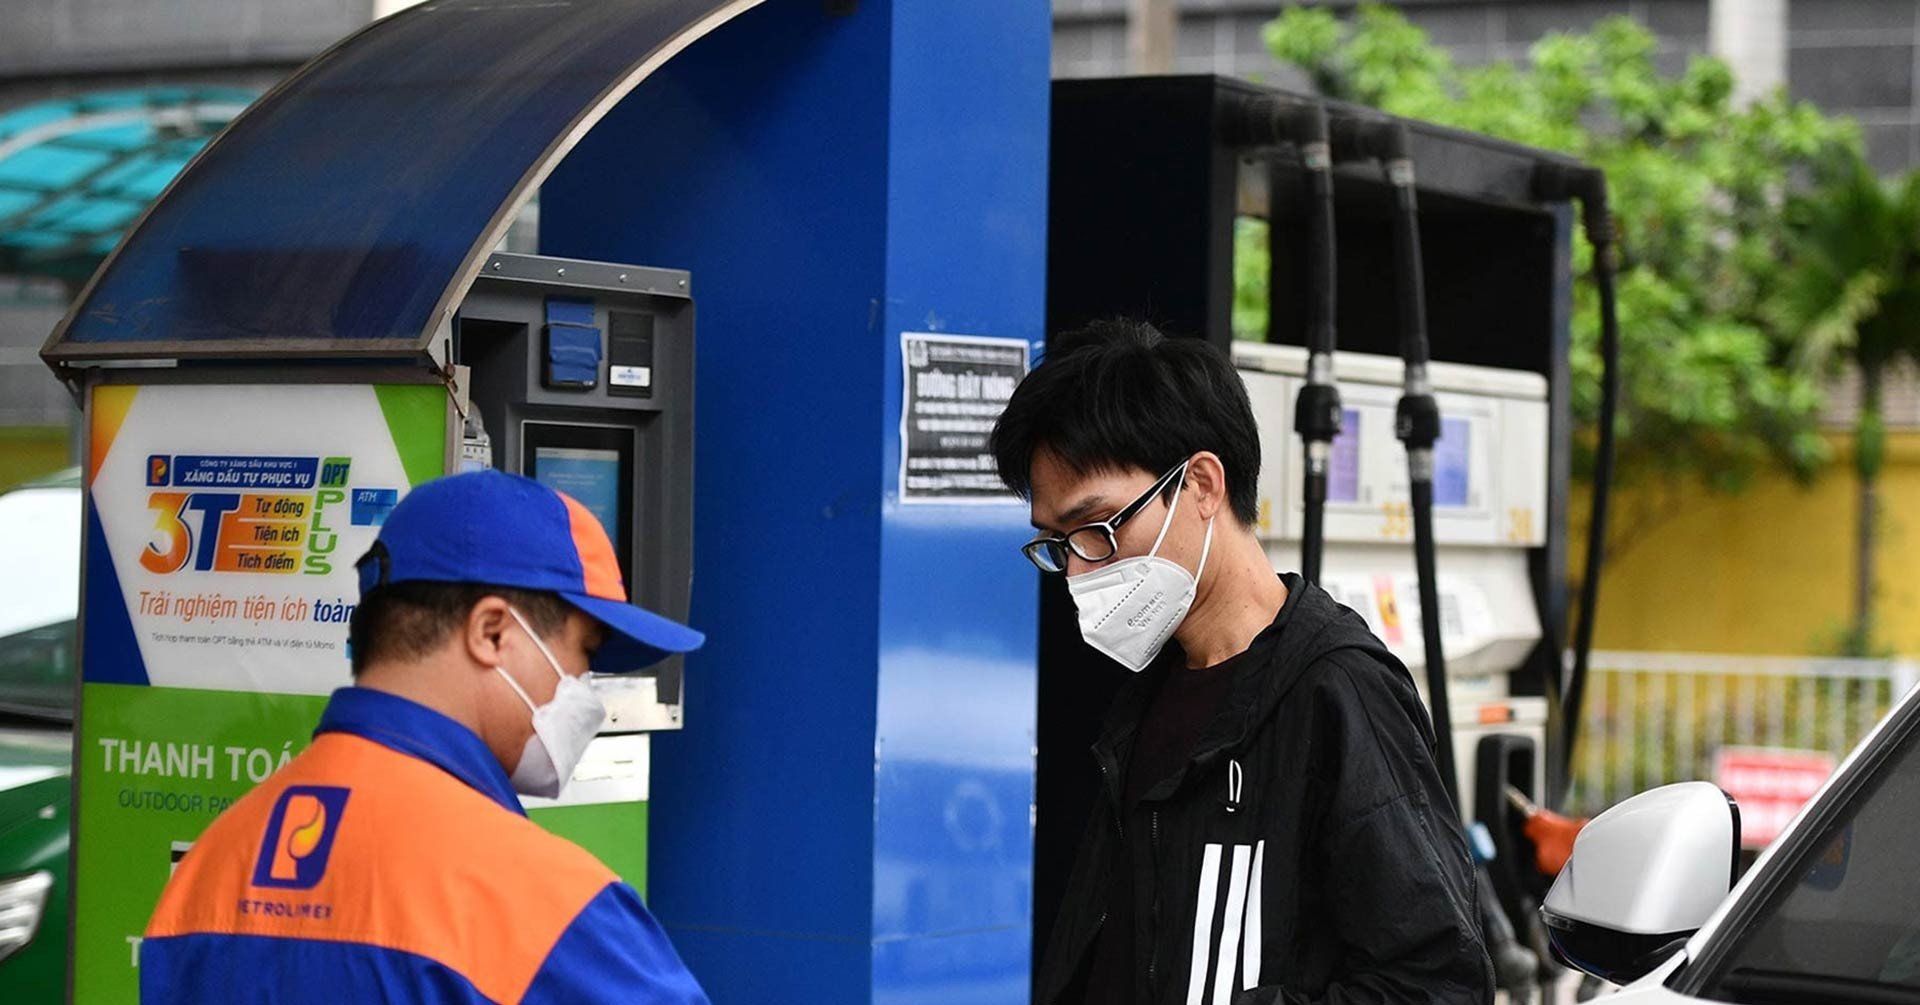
(243, 514)
(299, 837)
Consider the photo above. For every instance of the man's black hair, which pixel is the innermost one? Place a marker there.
(1118, 395)
(411, 619)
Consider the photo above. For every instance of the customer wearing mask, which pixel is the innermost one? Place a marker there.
(1270, 828)
(392, 861)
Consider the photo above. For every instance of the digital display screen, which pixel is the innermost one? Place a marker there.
(1343, 467)
(1453, 463)
(592, 477)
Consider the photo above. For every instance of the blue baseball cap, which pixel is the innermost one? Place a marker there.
(497, 529)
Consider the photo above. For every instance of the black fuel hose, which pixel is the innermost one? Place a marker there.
(1316, 414)
(1417, 417)
(1558, 182)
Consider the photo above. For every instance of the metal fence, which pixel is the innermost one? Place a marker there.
(1650, 718)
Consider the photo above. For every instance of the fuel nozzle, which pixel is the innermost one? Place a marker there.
(1550, 833)
(1515, 967)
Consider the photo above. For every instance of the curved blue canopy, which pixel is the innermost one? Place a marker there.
(346, 212)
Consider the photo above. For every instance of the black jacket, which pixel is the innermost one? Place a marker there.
(1306, 852)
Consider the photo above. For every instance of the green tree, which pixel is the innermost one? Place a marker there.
(1713, 385)
(1853, 288)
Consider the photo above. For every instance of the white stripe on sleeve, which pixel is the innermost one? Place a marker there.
(1230, 928)
(1250, 947)
(1203, 923)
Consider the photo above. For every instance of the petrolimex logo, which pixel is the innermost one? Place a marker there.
(245, 514)
(299, 837)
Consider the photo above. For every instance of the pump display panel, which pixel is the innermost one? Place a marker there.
(594, 465)
(590, 476)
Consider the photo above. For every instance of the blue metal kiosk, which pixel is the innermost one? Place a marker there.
(846, 815)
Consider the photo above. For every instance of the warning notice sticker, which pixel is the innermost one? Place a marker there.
(956, 387)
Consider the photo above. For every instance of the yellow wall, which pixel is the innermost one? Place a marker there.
(1766, 571)
(28, 452)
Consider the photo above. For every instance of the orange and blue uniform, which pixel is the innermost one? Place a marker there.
(391, 861)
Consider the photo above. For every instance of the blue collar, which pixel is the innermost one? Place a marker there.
(416, 730)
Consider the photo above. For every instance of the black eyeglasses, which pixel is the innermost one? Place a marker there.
(1093, 542)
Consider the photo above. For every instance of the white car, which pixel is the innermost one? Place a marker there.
(1830, 913)
(39, 595)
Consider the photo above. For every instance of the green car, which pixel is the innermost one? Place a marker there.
(39, 594)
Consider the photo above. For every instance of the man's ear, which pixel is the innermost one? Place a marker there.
(485, 626)
(1207, 478)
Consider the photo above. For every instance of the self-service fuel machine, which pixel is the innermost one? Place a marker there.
(832, 800)
(227, 505)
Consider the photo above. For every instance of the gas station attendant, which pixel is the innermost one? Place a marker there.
(392, 860)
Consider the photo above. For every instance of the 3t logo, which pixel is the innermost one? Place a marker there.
(234, 532)
(172, 540)
(299, 837)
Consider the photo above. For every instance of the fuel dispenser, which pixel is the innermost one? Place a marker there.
(1490, 479)
(1431, 310)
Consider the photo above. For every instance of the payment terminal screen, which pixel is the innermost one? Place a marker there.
(590, 476)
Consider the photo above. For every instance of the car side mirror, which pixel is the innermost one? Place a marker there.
(1644, 876)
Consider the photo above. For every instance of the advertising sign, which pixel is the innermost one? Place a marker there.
(1770, 786)
(222, 526)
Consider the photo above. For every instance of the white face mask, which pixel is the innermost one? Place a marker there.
(562, 728)
(1129, 608)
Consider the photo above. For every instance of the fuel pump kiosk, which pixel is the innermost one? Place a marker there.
(832, 801)
(226, 507)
